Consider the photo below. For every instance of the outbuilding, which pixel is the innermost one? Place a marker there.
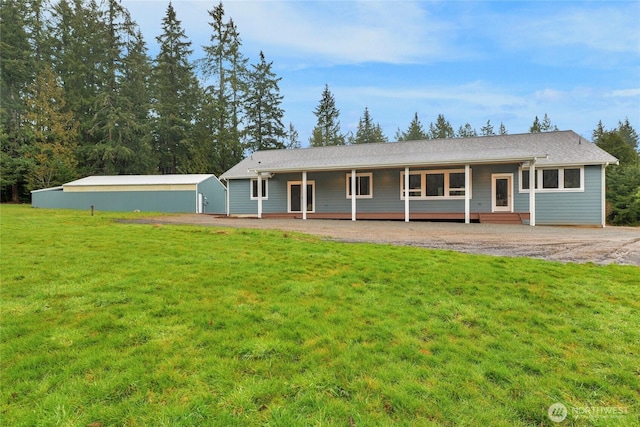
(194, 193)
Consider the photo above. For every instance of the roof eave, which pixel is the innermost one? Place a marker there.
(393, 165)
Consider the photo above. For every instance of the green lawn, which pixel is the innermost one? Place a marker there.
(106, 323)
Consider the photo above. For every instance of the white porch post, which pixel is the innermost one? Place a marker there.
(353, 194)
(532, 193)
(304, 195)
(467, 195)
(406, 194)
(259, 195)
(603, 200)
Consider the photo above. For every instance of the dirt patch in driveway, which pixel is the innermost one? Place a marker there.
(619, 245)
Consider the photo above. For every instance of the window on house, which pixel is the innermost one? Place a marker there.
(434, 184)
(524, 179)
(364, 185)
(572, 178)
(554, 179)
(254, 189)
(550, 178)
(456, 184)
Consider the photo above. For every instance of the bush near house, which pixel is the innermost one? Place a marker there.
(105, 323)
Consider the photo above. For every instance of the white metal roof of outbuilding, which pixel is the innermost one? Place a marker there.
(120, 180)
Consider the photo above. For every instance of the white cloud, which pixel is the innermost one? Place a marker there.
(342, 32)
(626, 93)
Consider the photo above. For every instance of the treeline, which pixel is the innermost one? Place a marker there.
(81, 96)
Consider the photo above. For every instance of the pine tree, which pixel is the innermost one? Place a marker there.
(502, 130)
(264, 130)
(415, 132)
(327, 130)
(367, 131)
(294, 140)
(114, 122)
(546, 125)
(175, 94)
(442, 129)
(466, 131)
(225, 65)
(598, 132)
(17, 71)
(53, 132)
(628, 133)
(536, 126)
(487, 130)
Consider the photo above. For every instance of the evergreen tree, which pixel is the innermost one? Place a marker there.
(613, 143)
(53, 131)
(598, 132)
(487, 130)
(78, 49)
(327, 130)
(226, 67)
(294, 140)
(264, 130)
(466, 131)
(535, 127)
(136, 94)
(114, 122)
(175, 99)
(442, 129)
(367, 131)
(628, 134)
(502, 130)
(17, 71)
(623, 181)
(546, 125)
(415, 132)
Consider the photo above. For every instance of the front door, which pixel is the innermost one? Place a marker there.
(501, 193)
(295, 196)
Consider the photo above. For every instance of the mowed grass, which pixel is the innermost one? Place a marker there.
(117, 324)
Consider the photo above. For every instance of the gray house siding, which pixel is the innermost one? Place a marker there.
(562, 207)
(146, 201)
(331, 196)
(216, 195)
(566, 207)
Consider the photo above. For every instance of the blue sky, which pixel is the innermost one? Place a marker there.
(472, 61)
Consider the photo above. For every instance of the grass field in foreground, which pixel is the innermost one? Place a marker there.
(106, 323)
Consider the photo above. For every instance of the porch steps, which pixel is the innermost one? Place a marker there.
(500, 218)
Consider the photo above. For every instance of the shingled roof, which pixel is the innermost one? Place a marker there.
(548, 148)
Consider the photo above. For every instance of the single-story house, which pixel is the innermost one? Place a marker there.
(195, 193)
(534, 178)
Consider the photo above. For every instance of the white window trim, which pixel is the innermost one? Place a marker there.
(560, 188)
(423, 184)
(359, 196)
(266, 188)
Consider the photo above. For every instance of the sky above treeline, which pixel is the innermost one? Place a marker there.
(472, 61)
